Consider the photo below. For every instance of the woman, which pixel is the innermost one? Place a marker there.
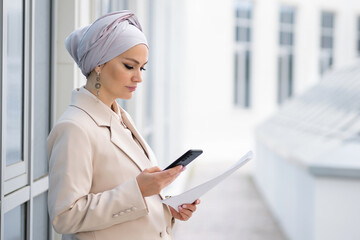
(104, 182)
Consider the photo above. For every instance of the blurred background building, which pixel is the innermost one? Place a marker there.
(217, 69)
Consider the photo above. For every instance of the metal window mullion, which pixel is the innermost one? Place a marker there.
(52, 95)
(3, 94)
(30, 11)
(3, 27)
(26, 86)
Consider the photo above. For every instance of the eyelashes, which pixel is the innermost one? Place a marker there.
(130, 67)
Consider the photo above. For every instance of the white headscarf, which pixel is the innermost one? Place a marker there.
(108, 37)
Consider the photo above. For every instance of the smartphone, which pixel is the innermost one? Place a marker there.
(185, 159)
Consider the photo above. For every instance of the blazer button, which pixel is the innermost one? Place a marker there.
(127, 210)
(115, 215)
(122, 213)
(133, 208)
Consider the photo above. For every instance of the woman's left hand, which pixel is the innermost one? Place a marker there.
(185, 211)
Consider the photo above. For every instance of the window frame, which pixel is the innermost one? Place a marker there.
(15, 175)
(18, 185)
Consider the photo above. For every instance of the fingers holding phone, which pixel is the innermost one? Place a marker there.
(152, 180)
(186, 158)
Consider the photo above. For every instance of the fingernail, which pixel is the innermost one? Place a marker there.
(184, 206)
(180, 208)
(181, 166)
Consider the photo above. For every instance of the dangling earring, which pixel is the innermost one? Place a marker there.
(97, 84)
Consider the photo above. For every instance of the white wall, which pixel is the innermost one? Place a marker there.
(70, 16)
(210, 120)
(337, 214)
(288, 191)
(306, 206)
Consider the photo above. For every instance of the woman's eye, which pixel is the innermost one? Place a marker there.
(128, 66)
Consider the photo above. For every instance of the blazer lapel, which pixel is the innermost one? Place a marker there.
(128, 122)
(121, 140)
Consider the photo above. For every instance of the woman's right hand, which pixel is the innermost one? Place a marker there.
(152, 180)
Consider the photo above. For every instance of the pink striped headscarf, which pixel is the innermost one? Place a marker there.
(108, 37)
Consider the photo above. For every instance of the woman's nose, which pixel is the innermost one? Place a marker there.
(137, 76)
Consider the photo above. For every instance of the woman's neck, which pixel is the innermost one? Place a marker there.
(108, 101)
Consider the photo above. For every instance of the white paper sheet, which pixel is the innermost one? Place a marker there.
(191, 195)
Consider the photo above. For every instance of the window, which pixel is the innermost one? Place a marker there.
(13, 88)
(14, 82)
(286, 56)
(25, 86)
(14, 223)
(327, 41)
(242, 56)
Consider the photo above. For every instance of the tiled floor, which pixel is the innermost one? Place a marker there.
(233, 210)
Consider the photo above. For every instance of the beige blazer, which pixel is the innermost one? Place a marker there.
(93, 192)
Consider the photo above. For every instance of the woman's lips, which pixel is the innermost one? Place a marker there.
(132, 89)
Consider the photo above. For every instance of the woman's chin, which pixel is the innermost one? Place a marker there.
(126, 96)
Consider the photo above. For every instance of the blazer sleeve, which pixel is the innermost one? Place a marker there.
(72, 207)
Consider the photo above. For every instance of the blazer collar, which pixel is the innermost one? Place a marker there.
(104, 116)
(96, 109)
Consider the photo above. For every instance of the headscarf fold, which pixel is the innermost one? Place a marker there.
(108, 37)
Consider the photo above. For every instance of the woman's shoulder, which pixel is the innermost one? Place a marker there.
(76, 116)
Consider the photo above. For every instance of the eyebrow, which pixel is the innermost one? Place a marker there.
(134, 60)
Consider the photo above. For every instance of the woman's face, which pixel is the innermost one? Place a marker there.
(120, 76)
